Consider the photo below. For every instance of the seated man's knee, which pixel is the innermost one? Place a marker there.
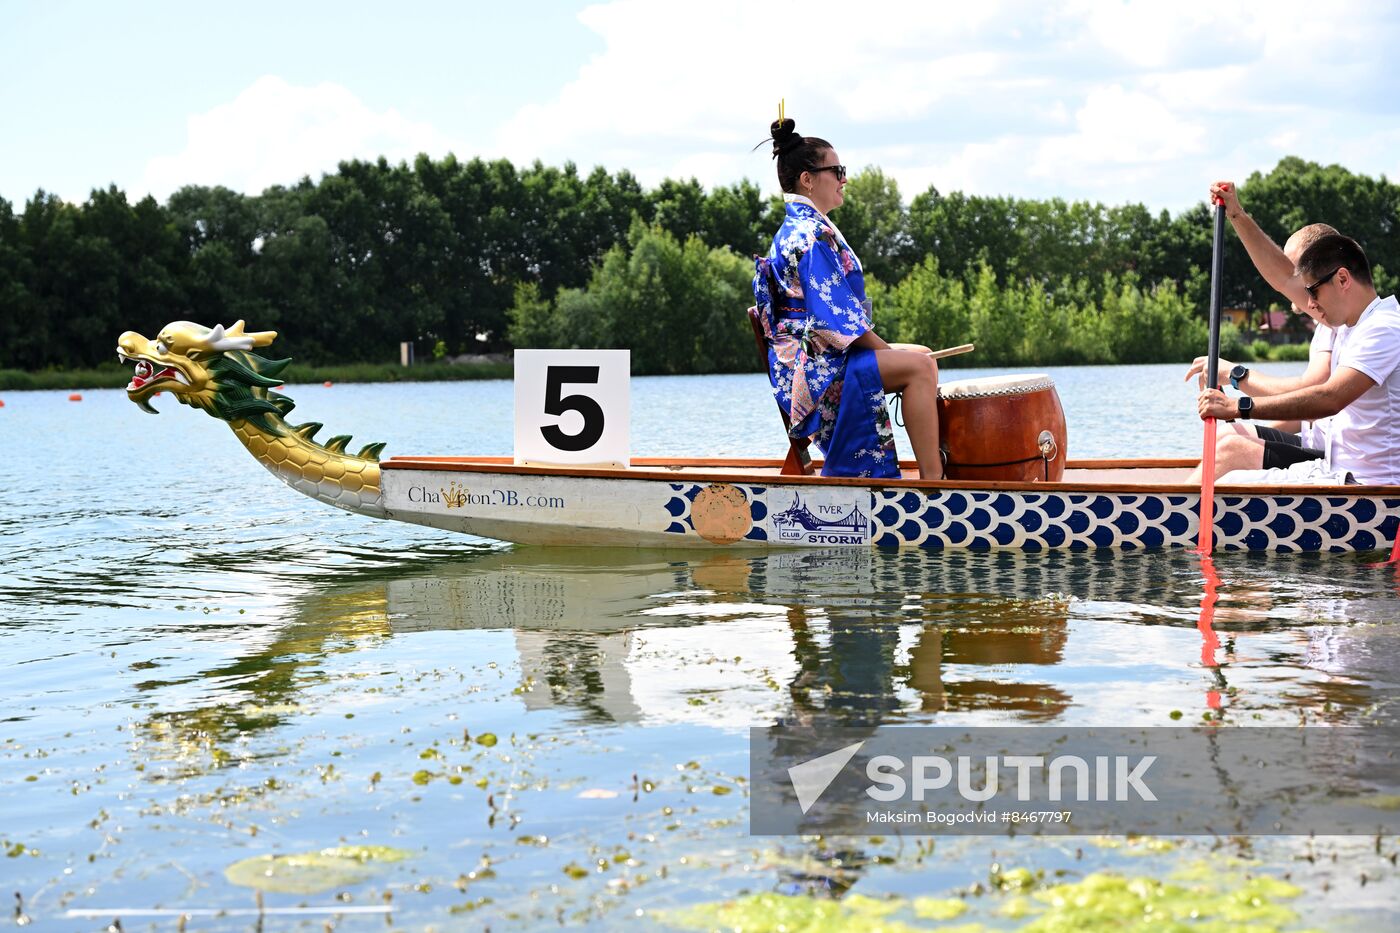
(1235, 448)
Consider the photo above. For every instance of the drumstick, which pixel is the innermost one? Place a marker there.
(936, 354)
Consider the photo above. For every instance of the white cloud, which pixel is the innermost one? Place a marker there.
(1132, 101)
(908, 90)
(1119, 127)
(1119, 102)
(274, 133)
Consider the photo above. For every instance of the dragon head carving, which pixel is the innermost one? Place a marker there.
(216, 370)
(210, 368)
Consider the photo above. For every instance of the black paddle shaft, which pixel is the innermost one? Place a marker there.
(1217, 268)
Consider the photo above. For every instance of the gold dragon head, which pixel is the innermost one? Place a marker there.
(189, 361)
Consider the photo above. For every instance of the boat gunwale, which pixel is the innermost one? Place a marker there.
(671, 465)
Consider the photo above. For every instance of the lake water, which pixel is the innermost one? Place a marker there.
(201, 666)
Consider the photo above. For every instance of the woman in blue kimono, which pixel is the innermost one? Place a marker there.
(829, 370)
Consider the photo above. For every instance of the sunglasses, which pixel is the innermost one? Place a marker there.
(1312, 289)
(840, 170)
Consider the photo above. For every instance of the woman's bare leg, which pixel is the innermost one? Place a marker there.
(916, 375)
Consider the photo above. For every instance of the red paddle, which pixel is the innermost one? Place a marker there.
(1205, 531)
(1205, 624)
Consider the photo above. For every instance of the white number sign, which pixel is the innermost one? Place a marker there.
(573, 407)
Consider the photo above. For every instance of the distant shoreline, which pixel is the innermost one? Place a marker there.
(116, 377)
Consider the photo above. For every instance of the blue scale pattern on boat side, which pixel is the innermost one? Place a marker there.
(1282, 525)
(1364, 511)
(1178, 520)
(758, 510)
(1037, 521)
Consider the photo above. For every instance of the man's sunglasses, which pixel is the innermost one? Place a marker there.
(1312, 289)
(840, 170)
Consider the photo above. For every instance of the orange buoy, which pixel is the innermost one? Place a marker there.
(2, 403)
(75, 397)
(327, 383)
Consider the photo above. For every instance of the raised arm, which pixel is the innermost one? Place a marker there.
(1267, 256)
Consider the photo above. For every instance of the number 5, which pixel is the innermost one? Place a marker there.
(555, 403)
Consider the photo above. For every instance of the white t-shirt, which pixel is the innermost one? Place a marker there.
(1364, 437)
(1313, 433)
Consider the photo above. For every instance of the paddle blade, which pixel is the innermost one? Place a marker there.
(1205, 531)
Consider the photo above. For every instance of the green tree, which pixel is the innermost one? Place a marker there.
(676, 306)
(735, 216)
(875, 223)
(23, 326)
(926, 307)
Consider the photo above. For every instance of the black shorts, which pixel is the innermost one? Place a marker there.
(1282, 449)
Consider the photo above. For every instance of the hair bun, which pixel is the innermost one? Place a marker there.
(785, 136)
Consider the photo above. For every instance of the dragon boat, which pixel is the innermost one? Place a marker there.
(736, 503)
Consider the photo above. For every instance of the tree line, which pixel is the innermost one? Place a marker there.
(476, 256)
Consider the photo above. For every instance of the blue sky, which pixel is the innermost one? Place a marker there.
(1110, 101)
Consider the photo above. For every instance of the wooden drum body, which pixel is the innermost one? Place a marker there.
(1002, 428)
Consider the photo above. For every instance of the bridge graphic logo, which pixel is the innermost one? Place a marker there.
(800, 523)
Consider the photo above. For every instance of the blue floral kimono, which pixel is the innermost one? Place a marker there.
(810, 292)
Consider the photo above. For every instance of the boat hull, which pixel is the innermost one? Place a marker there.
(744, 504)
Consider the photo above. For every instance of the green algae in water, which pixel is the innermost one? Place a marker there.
(311, 872)
(1135, 845)
(1100, 901)
(1103, 901)
(939, 908)
(779, 913)
(1381, 801)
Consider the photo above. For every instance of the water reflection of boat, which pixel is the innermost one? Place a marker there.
(1108, 504)
(730, 638)
(798, 631)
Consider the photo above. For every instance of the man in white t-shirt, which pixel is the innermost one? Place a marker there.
(1245, 444)
(1362, 394)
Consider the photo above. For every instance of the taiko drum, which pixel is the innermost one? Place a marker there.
(1002, 428)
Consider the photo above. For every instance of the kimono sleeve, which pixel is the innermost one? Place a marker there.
(837, 312)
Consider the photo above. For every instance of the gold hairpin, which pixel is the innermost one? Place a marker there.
(781, 114)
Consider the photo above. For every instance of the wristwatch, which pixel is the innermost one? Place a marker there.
(1236, 374)
(1246, 405)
